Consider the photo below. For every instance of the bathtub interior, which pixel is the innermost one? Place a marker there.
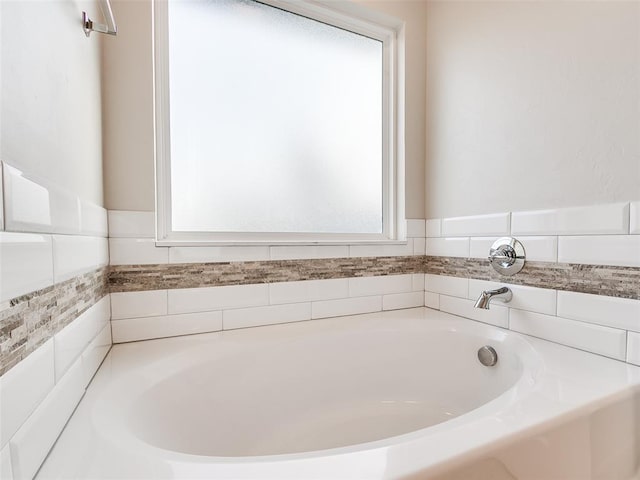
(302, 393)
(547, 421)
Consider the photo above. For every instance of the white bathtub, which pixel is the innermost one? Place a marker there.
(391, 395)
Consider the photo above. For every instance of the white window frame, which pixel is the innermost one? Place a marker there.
(342, 14)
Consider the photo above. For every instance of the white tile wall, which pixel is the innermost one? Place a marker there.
(23, 388)
(74, 255)
(136, 251)
(133, 329)
(532, 299)
(95, 352)
(74, 339)
(633, 348)
(32, 204)
(415, 228)
(417, 282)
(622, 250)
(26, 263)
(396, 301)
(596, 219)
(51, 235)
(448, 247)
(293, 252)
(384, 250)
(366, 286)
(138, 304)
(218, 254)
(308, 291)
(614, 312)
(346, 306)
(432, 300)
(124, 224)
(5, 464)
(433, 228)
(634, 226)
(496, 315)
(605, 341)
(190, 300)
(34, 439)
(93, 220)
(419, 246)
(497, 224)
(267, 315)
(538, 249)
(453, 286)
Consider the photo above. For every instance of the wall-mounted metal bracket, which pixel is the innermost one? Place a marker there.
(89, 25)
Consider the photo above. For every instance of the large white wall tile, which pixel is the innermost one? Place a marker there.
(27, 204)
(269, 315)
(448, 247)
(73, 339)
(396, 301)
(417, 282)
(415, 228)
(634, 226)
(586, 336)
(532, 299)
(308, 290)
(134, 329)
(537, 249)
(597, 219)
(26, 263)
(419, 246)
(633, 348)
(294, 252)
(432, 300)
(497, 224)
(621, 250)
(22, 389)
(34, 205)
(382, 250)
(31, 444)
(496, 315)
(433, 228)
(5, 464)
(93, 220)
(65, 212)
(347, 306)
(610, 311)
(366, 286)
(136, 251)
(138, 304)
(125, 224)
(95, 352)
(74, 255)
(453, 286)
(226, 253)
(191, 300)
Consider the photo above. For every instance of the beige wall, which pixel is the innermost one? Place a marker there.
(128, 106)
(50, 110)
(531, 105)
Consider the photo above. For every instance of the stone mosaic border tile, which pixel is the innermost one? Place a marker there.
(136, 278)
(26, 322)
(612, 281)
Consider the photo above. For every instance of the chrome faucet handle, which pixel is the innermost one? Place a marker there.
(507, 256)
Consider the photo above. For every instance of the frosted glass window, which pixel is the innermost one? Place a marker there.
(276, 121)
